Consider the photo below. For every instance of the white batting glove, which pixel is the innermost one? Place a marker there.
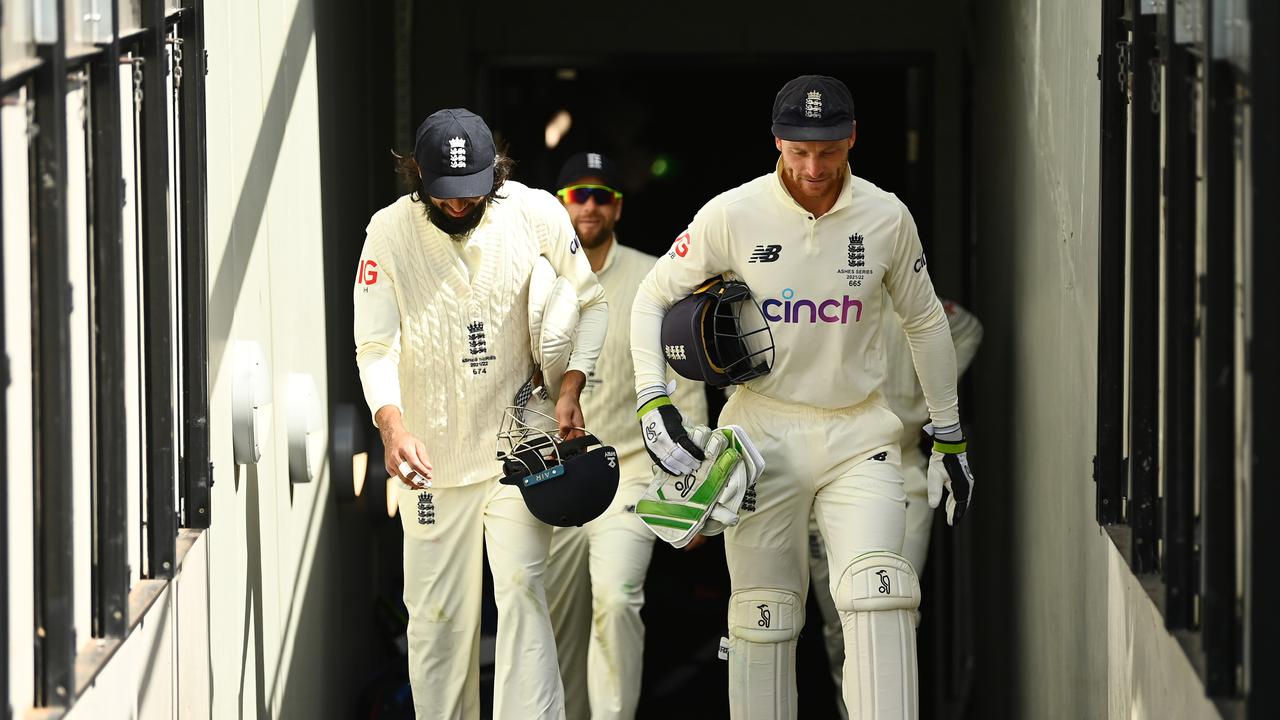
(949, 470)
(665, 436)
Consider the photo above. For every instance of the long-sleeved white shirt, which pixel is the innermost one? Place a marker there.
(608, 401)
(820, 282)
(901, 386)
(450, 346)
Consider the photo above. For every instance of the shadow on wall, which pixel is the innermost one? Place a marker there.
(253, 595)
(246, 222)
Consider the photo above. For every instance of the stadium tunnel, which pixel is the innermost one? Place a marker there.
(211, 535)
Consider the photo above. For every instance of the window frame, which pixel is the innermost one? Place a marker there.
(1171, 506)
(66, 663)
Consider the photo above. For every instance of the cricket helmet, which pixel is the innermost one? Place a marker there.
(718, 335)
(563, 482)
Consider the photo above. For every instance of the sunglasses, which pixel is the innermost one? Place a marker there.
(580, 194)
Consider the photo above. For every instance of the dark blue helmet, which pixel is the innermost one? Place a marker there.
(718, 335)
(563, 482)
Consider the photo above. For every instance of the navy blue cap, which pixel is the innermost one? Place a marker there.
(813, 107)
(588, 164)
(455, 154)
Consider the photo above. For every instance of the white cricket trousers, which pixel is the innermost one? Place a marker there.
(915, 548)
(446, 534)
(595, 587)
(841, 465)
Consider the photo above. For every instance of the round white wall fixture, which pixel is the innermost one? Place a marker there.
(250, 401)
(306, 439)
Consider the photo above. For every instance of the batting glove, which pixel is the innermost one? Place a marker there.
(665, 436)
(949, 469)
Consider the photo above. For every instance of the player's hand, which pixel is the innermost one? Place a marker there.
(569, 420)
(949, 470)
(569, 416)
(405, 457)
(697, 542)
(667, 439)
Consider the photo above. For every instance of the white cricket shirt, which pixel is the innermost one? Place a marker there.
(608, 400)
(820, 282)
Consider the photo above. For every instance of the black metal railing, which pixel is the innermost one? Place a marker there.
(1114, 98)
(110, 462)
(1262, 594)
(1144, 293)
(1218, 386)
(55, 641)
(1181, 102)
(1179, 333)
(169, 425)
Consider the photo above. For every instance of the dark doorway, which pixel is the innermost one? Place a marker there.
(683, 129)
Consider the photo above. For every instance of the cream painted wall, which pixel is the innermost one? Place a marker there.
(251, 609)
(1087, 642)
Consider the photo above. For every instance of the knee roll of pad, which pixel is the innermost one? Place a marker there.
(879, 580)
(764, 625)
(766, 616)
(877, 596)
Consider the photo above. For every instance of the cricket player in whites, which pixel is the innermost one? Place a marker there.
(443, 341)
(819, 248)
(595, 576)
(902, 391)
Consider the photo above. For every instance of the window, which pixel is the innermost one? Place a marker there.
(1173, 402)
(106, 404)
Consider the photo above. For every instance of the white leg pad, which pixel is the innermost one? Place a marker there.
(877, 596)
(763, 627)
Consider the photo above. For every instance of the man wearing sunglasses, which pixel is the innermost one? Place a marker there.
(820, 249)
(595, 576)
(443, 342)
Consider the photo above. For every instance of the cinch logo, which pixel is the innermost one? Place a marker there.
(827, 311)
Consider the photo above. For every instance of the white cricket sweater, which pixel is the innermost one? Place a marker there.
(450, 349)
(609, 400)
(820, 282)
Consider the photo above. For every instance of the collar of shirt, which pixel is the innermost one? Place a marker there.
(608, 256)
(844, 200)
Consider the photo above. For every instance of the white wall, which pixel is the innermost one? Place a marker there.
(1086, 640)
(251, 591)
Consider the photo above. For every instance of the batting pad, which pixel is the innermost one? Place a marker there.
(877, 596)
(764, 625)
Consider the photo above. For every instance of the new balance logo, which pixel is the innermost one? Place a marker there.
(674, 352)
(765, 253)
